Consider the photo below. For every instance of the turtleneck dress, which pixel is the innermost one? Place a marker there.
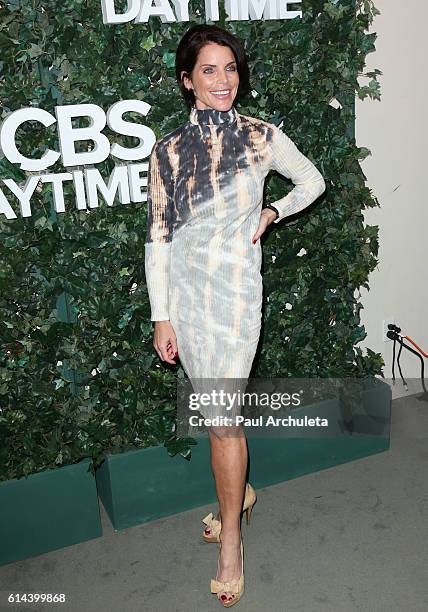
(204, 199)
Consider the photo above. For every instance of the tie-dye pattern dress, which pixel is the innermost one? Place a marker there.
(204, 199)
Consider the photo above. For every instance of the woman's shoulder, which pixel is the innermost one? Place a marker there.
(166, 140)
(258, 124)
(260, 129)
(252, 120)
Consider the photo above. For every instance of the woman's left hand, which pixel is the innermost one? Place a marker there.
(266, 217)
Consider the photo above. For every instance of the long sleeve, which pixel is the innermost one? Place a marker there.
(291, 163)
(159, 231)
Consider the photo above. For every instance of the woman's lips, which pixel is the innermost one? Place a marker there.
(221, 96)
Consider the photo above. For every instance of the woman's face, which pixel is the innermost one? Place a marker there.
(215, 71)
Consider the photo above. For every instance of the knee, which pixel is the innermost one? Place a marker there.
(225, 432)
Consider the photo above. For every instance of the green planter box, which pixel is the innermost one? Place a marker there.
(48, 510)
(146, 484)
(142, 485)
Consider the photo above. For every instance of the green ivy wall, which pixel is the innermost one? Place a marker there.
(72, 286)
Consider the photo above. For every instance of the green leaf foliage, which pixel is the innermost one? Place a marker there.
(79, 376)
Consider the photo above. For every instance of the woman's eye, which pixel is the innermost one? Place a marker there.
(232, 68)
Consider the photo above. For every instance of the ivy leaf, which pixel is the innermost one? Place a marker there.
(168, 58)
(148, 43)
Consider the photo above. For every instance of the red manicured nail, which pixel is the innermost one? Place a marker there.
(254, 241)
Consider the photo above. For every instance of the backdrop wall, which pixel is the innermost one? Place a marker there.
(76, 341)
(396, 131)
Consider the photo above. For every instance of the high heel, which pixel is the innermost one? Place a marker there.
(214, 524)
(248, 512)
(235, 586)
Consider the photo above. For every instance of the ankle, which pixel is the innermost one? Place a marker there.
(231, 526)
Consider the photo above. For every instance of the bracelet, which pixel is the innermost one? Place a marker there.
(272, 208)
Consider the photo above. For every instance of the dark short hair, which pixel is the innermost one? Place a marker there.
(192, 42)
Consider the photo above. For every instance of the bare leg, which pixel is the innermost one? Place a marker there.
(229, 457)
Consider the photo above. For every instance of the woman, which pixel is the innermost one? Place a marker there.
(203, 254)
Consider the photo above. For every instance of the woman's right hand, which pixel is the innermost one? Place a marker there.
(165, 341)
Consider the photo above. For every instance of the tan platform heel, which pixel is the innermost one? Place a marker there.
(235, 586)
(214, 524)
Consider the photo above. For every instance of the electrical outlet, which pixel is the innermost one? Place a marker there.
(385, 330)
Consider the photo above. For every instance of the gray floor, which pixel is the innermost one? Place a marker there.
(353, 537)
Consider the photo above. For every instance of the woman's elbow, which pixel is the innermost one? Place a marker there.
(320, 185)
